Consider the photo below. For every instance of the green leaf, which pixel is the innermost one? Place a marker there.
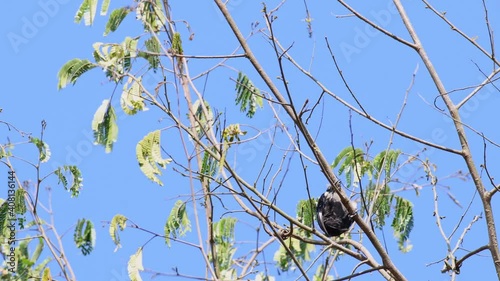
(153, 46)
(224, 230)
(115, 19)
(224, 244)
(152, 16)
(301, 251)
(385, 161)
(4, 214)
(38, 250)
(402, 222)
(354, 164)
(178, 223)
(247, 95)
(306, 211)
(84, 236)
(177, 44)
(135, 265)
(105, 7)
(77, 180)
(348, 154)
(129, 45)
(209, 165)
(24, 263)
(204, 117)
(43, 149)
(104, 126)
(86, 11)
(40, 268)
(20, 204)
(71, 71)
(383, 203)
(149, 156)
(118, 222)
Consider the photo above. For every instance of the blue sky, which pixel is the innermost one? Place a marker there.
(40, 36)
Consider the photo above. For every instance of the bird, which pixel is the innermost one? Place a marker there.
(333, 217)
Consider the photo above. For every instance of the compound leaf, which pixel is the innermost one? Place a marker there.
(178, 223)
(71, 71)
(247, 95)
(115, 19)
(104, 126)
(135, 265)
(148, 155)
(119, 222)
(75, 173)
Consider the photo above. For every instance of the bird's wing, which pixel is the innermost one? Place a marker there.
(319, 214)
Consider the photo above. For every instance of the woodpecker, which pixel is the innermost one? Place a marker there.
(333, 218)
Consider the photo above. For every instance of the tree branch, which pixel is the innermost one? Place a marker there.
(324, 165)
(466, 152)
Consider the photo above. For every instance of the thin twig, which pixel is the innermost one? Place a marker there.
(490, 33)
(463, 216)
(369, 117)
(348, 277)
(470, 254)
(376, 26)
(464, 232)
(339, 71)
(487, 81)
(454, 28)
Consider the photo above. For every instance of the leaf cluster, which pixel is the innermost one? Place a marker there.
(178, 223)
(224, 246)
(28, 265)
(77, 180)
(84, 236)
(354, 163)
(149, 156)
(247, 95)
(306, 211)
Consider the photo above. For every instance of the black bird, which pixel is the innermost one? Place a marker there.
(332, 216)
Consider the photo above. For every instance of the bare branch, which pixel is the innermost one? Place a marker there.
(454, 28)
(343, 78)
(487, 81)
(490, 33)
(367, 116)
(377, 27)
(470, 254)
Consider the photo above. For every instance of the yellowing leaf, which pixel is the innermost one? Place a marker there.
(148, 155)
(46, 275)
(135, 265)
(118, 222)
(178, 222)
